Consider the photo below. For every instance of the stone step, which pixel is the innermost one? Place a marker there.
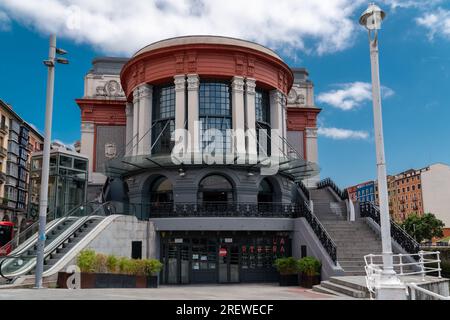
(343, 281)
(344, 289)
(318, 288)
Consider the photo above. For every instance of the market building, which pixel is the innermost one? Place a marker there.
(130, 114)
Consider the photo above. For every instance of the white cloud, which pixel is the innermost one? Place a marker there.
(406, 4)
(437, 22)
(123, 26)
(351, 95)
(342, 134)
(5, 22)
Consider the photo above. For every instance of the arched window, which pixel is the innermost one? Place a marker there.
(215, 113)
(265, 192)
(215, 188)
(163, 118)
(161, 190)
(262, 105)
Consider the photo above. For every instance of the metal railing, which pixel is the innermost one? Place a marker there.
(214, 209)
(343, 195)
(414, 287)
(304, 189)
(235, 209)
(427, 262)
(369, 210)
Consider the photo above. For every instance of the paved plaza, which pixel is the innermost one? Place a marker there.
(188, 292)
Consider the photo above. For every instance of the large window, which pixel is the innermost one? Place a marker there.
(215, 113)
(163, 118)
(215, 188)
(262, 105)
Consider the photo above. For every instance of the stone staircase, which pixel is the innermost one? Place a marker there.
(347, 286)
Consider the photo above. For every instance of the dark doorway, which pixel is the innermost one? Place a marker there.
(136, 250)
(228, 263)
(215, 188)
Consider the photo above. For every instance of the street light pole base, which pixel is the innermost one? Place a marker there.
(391, 292)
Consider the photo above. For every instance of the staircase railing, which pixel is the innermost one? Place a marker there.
(343, 195)
(369, 210)
(320, 231)
(304, 189)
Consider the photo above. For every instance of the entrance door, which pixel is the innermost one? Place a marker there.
(177, 265)
(228, 263)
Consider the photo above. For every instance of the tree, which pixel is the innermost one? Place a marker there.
(424, 227)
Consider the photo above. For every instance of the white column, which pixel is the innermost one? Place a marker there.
(129, 128)
(87, 145)
(276, 123)
(145, 119)
(180, 109)
(193, 82)
(238, 116)
(311, 154)
(135, 121)
(250, 117)
(284, 132)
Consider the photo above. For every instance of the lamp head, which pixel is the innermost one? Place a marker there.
(372, 17)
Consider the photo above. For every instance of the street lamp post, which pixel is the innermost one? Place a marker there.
(43, 197)
(389, 286)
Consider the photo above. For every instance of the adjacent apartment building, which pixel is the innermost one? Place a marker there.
(18, 140)
(413, 191)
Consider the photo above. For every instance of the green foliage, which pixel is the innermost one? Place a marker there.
(100, 264)
(286, 266)
(86, 260)
(89, 261)
(309, 266)
(423, 227)
(112, 263)
(152, 267)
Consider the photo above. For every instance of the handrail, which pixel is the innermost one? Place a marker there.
(369, 210)
(304, 189)
(343, 195)
(325, 239)
(55, 243)
(414, 287)
(374, 269)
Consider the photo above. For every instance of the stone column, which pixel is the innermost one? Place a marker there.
(180, 110)
(135, 121)
(193, 84)
(238, 116)
(87, 145)
(129, 129)
(250, 117)
(311, 153)
(145, 118)
(276, 123)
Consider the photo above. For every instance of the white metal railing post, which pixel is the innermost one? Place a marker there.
(401, 263)
(422, 266)
(413, 292)
(439, 264)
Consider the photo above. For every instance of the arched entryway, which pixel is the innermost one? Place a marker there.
(215, 188)
(265, 192)
(161, 190)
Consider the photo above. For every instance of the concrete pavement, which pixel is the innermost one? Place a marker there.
(187, 292)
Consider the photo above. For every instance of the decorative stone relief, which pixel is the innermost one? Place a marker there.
(110, 150)
(180, 83)
(311, 132)
(111, 88)
(250, 85)
(237, 84)
(193, 82)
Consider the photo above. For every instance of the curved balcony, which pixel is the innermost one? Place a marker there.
(3, 152)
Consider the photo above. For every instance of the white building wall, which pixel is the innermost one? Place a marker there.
(436, 191)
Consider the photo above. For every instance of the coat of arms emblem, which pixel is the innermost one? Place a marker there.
(110, 150)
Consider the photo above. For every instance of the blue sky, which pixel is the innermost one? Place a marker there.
(324, 38)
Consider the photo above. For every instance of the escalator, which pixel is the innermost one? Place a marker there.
(61, 235)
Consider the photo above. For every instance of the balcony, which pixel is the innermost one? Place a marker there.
(2, 178)
(216, 209)
(3, 152)
(3, 128)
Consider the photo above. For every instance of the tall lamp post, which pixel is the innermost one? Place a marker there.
(389, 286)
(43, 197)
